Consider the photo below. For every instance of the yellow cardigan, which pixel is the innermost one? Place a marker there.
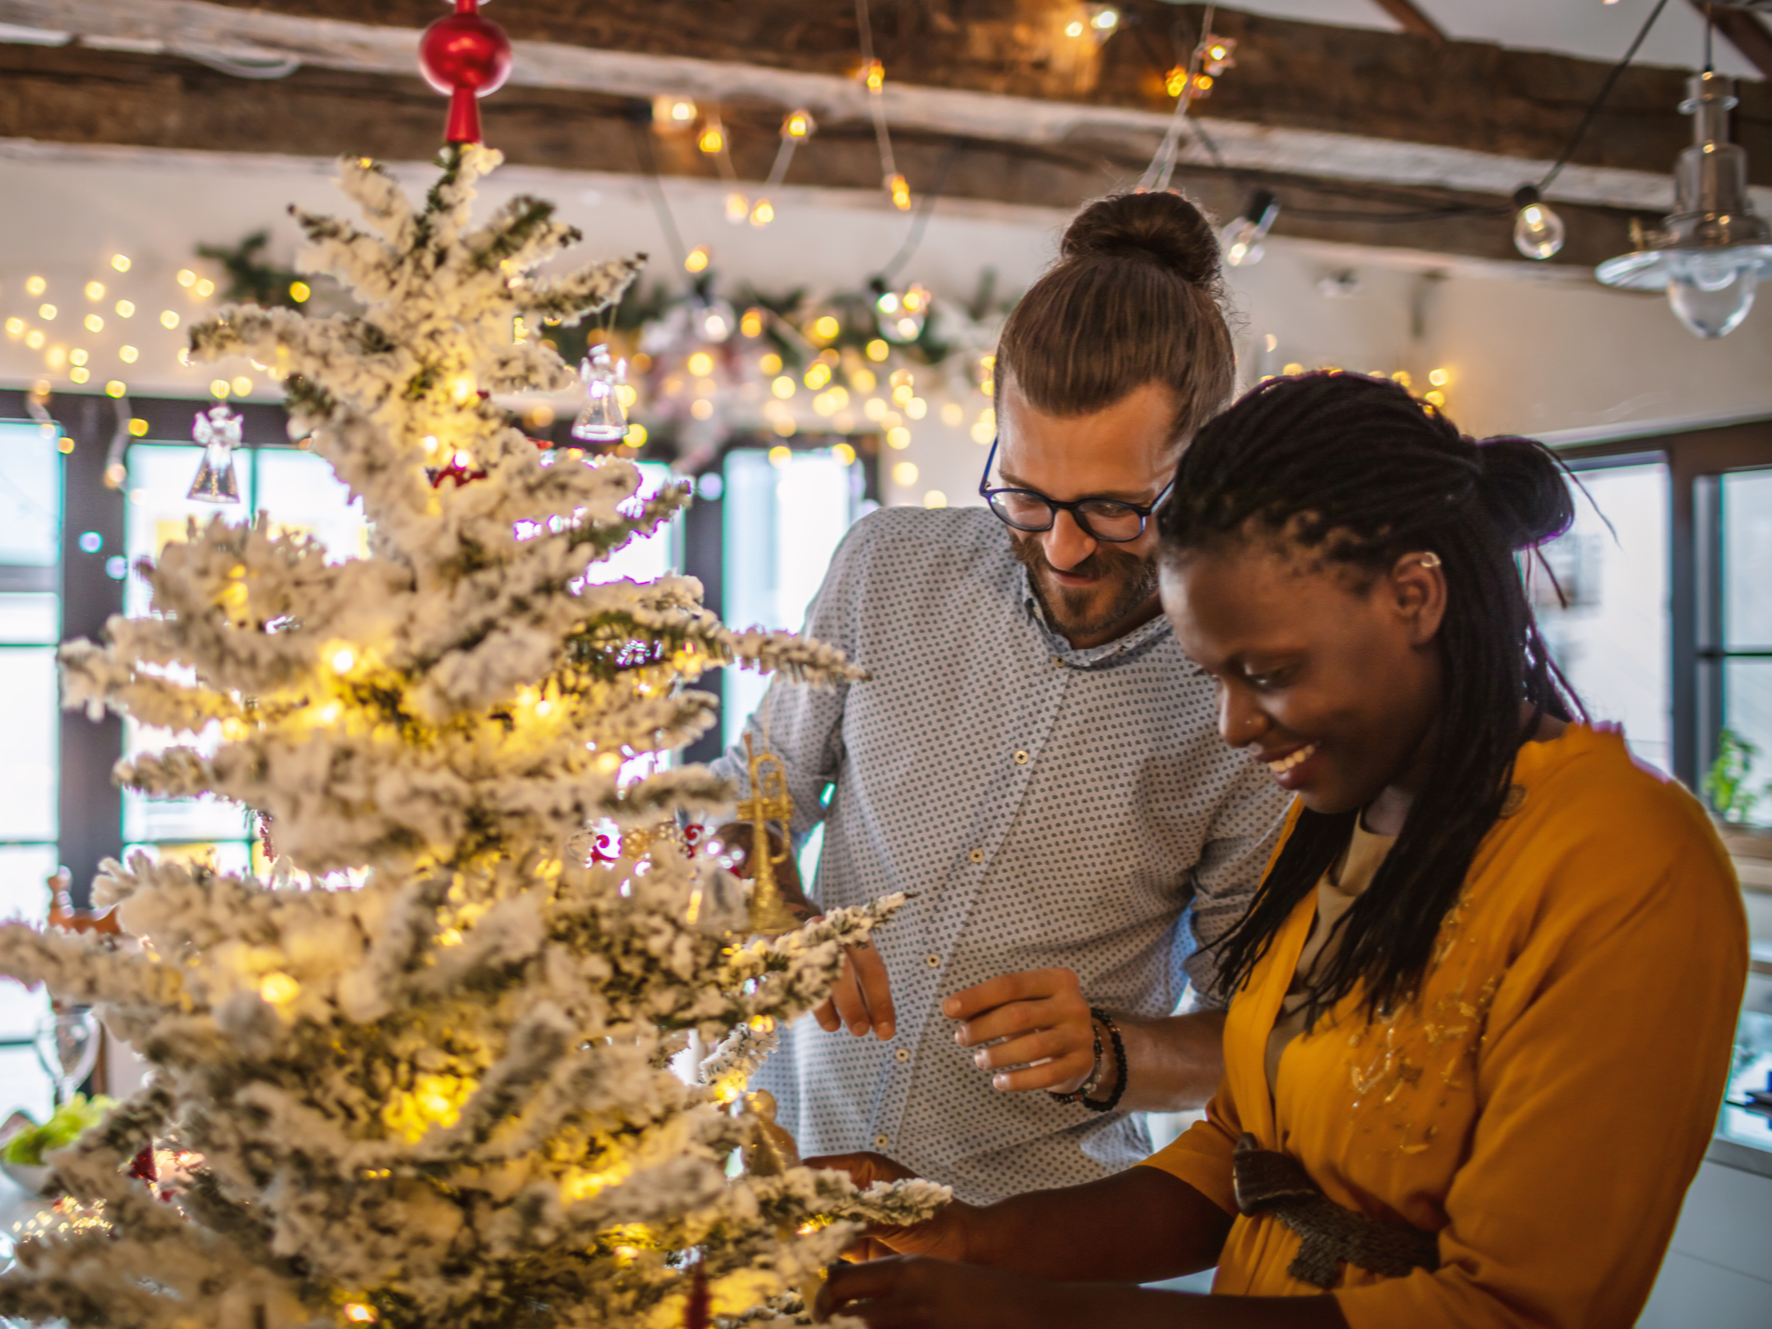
(1546, 1101)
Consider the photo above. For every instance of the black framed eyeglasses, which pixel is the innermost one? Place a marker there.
(1109, 519)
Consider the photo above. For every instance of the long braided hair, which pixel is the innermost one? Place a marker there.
(1357, 472)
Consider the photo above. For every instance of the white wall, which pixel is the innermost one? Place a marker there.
(1528, 349)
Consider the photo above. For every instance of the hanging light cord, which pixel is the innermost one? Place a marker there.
(1472, 209)
(649, 167)
(1618, 69)
(921, 222)
(1162, 168)
(876, 95)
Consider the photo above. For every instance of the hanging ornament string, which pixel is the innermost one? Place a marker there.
(873, 75)
(1162, 168)
(464, 57)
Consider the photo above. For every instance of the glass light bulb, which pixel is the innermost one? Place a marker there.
(1241, 242)
(1711, 293)
(716, 321)
(1538, 231)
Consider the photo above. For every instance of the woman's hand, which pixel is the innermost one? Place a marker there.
(915, 1292)
(942, 1237)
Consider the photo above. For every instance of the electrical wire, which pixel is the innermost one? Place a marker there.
(876, 95)
(1451, 211)
(1618, 69)
(1162, 168)
(649, 168)
(921, 222)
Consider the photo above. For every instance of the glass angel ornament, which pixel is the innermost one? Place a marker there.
(602, 420)
(218, 431)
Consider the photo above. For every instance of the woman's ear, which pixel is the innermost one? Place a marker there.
(1418, 586)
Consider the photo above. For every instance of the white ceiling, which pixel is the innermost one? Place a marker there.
(1589, 28)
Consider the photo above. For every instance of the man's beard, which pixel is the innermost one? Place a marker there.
(1131, 580)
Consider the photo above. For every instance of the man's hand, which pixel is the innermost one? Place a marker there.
(1044, 1018)
(862, 998)
(942, 1237)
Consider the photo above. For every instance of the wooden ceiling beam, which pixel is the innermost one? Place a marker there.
(158, 103)
(1344, 104)
(1410, 18)
(1745, 32)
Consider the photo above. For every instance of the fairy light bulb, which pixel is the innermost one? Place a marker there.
(1538, 231)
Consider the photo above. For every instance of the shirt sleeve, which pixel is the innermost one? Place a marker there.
(1201, 1155)
(1604, 1059)
(801, 724)
(1239, 848)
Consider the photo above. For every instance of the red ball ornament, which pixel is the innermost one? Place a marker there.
(466, 57)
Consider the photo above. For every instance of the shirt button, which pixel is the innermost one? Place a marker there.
(934, 962)
(1058, 662)
(880, 1142)
(977, 855)
(903, 1054)
(1021, 758)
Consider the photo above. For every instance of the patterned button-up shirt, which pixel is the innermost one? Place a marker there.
(1045, 805)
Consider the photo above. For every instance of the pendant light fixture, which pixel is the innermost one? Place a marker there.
(1712, 250)
(1241, 238)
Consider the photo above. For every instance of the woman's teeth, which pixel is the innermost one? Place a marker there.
(1292, 759)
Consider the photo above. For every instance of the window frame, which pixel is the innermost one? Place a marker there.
(1695, 459)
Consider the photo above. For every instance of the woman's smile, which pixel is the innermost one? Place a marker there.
(1293, 766)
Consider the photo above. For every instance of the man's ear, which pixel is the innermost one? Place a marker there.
(1417, 584)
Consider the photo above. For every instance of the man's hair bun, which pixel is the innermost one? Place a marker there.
(1525, 490)
(1163, 228)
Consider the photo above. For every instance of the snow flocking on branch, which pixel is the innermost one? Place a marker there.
(442, 1095)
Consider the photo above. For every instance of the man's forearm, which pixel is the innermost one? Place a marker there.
(1136, 1226)
(1174, 1064)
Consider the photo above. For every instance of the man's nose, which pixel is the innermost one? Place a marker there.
(1066, 544)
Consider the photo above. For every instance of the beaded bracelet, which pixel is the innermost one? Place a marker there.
(1090, 1085)
(1113, 1100)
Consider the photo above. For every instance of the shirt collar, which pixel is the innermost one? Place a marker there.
(1133, 644)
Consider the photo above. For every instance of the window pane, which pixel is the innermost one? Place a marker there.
(1747, 711)
(30, 618)
(24, 1087)
(651, 556)
(1751, 1069)
(28, 756)
(30, 494)
(302, 495)
(783, 523)
(223, 855)
(1611, 640)
(1747, 555)
(160, 474)
(24, 895)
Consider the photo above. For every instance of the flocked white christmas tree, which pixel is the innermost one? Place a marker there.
(439, 1098)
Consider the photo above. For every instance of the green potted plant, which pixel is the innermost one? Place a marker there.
(1735, 795)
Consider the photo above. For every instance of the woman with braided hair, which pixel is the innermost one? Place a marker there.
(1485, 995)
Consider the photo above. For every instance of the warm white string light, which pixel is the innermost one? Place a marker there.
(873, 75)
(1162, 168)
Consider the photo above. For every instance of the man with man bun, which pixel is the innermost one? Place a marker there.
(1032, 757)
